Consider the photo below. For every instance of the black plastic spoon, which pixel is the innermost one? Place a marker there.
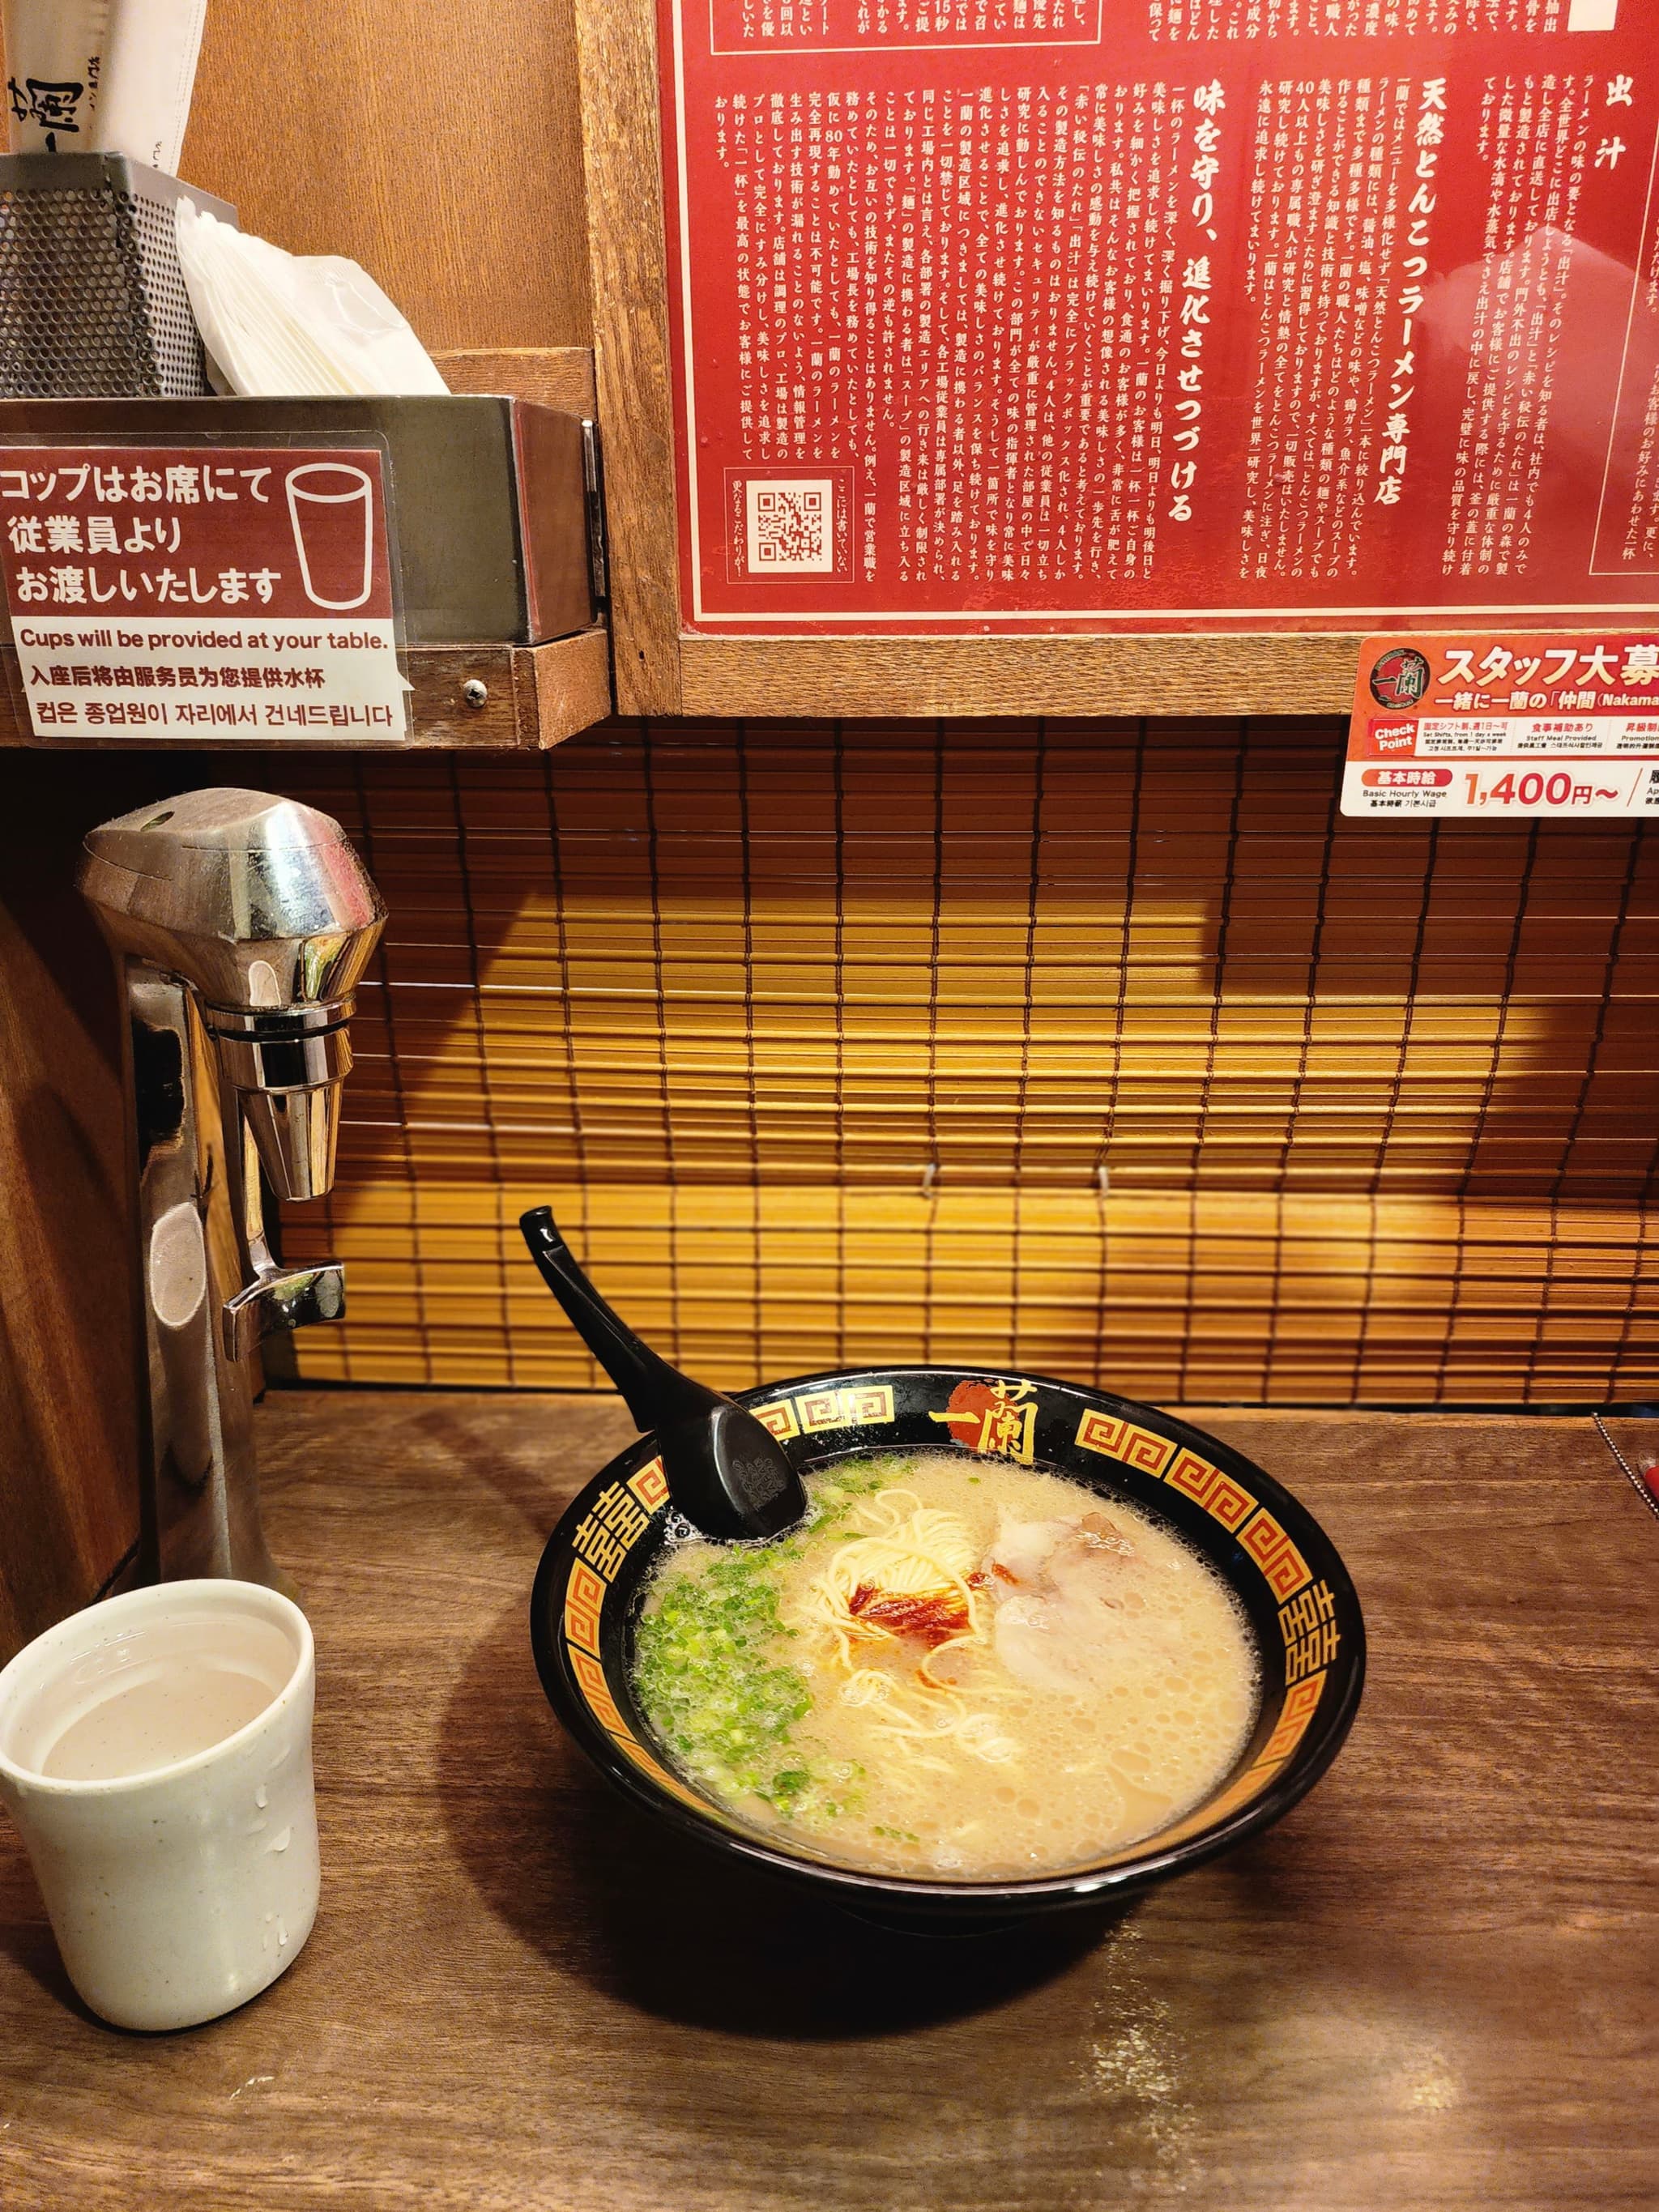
(725, 1472)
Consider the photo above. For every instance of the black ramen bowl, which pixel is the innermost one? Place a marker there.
(1273, 1554)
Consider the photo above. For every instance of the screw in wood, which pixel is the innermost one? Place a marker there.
(476, 692)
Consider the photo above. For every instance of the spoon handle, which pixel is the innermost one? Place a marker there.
(645, 1380)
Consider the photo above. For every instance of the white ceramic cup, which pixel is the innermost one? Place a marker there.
(156, 1753)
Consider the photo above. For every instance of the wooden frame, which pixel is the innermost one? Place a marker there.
(661, 669)
(1199, 674)
(622, 157)
(550, 376)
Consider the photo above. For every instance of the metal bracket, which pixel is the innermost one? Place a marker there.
(595, 481)
(281, 1300)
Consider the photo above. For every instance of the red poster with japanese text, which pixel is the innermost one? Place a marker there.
(1063, 315)
(229, 591)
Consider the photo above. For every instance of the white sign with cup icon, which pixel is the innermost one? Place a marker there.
(333, 502)
(226, 593)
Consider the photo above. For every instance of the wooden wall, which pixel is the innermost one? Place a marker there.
(68, 1502)
(437, 142)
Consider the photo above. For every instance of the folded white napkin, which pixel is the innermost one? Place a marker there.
(279, 324)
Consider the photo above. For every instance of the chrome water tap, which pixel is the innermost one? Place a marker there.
(240, 924)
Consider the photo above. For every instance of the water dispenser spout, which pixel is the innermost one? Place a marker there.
(242, 924)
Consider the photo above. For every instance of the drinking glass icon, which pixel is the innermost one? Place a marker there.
(331, 506)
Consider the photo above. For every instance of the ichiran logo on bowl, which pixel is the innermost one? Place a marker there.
(1399, 677)
(997, 1417)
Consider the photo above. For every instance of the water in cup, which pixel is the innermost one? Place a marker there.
(158, 1694)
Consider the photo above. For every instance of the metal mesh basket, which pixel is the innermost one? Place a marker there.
(92, 297)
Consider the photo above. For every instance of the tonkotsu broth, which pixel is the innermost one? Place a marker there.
(958, 1667)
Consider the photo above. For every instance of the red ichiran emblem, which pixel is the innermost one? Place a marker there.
(999, 1417)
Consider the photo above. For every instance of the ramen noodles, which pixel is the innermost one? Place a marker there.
(952, 1674)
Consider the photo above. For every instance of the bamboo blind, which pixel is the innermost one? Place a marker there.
(1097, 1049)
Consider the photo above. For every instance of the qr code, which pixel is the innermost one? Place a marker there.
(790, 525)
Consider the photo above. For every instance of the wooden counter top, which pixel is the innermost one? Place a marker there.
(1432, 1986)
